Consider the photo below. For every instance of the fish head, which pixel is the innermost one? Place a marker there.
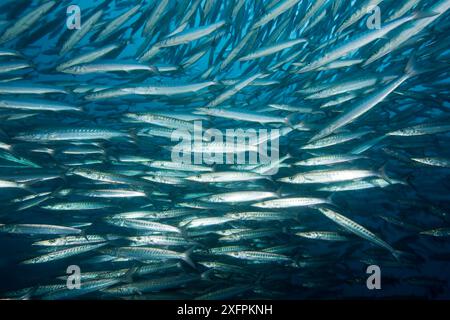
(233, 215)
(234, 254)
(290, 179)
(195, 178)
(74, 69)
(202, 111)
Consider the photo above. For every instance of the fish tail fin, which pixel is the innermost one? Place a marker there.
(205, 275)
(382, 173)
(397, 254)
(128, 276)
(184, 232)
(148, 193)
(153, 69)
(268, 177)
(187, 257)
(318, 136)
(411, 68)
(84, 235)
(278, 192)
(51, 152)
(67, 169)
(27, 295)
(133, 138)
(424, 14)
(26, 187)
(403, 256)
(298, 125)
(330, 199)
(288, 120)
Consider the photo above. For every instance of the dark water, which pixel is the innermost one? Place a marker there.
(396, 212)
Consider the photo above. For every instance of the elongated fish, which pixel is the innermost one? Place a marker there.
(359, 41)
(26, 22)
(366, 104)
(359, 230)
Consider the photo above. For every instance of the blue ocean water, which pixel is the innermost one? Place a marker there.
(408, 173)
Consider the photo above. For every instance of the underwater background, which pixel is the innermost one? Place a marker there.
(357, 89)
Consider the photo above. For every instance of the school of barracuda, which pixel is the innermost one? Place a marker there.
(87, 177)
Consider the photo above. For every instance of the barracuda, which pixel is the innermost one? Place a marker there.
(108, 177)
(64, 253)
(116, 23)
(87, 57)
(75, 240)
(33, 229)
(168, 90)
(290, 202)
(366, 104)
(37, 105)
(327, 176)
(275, 12)
(360, 41)
(27, 88)
(239, 196)
(322, 235)
(153, 284)
(142, 225)
(149, 253)
(108, 67)
(229, 176)
(26, 22)
(190, 35)
(328, 159)
(358, 230)
(260, 257)
(76, 36)
(64, 134)
(163, 240)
